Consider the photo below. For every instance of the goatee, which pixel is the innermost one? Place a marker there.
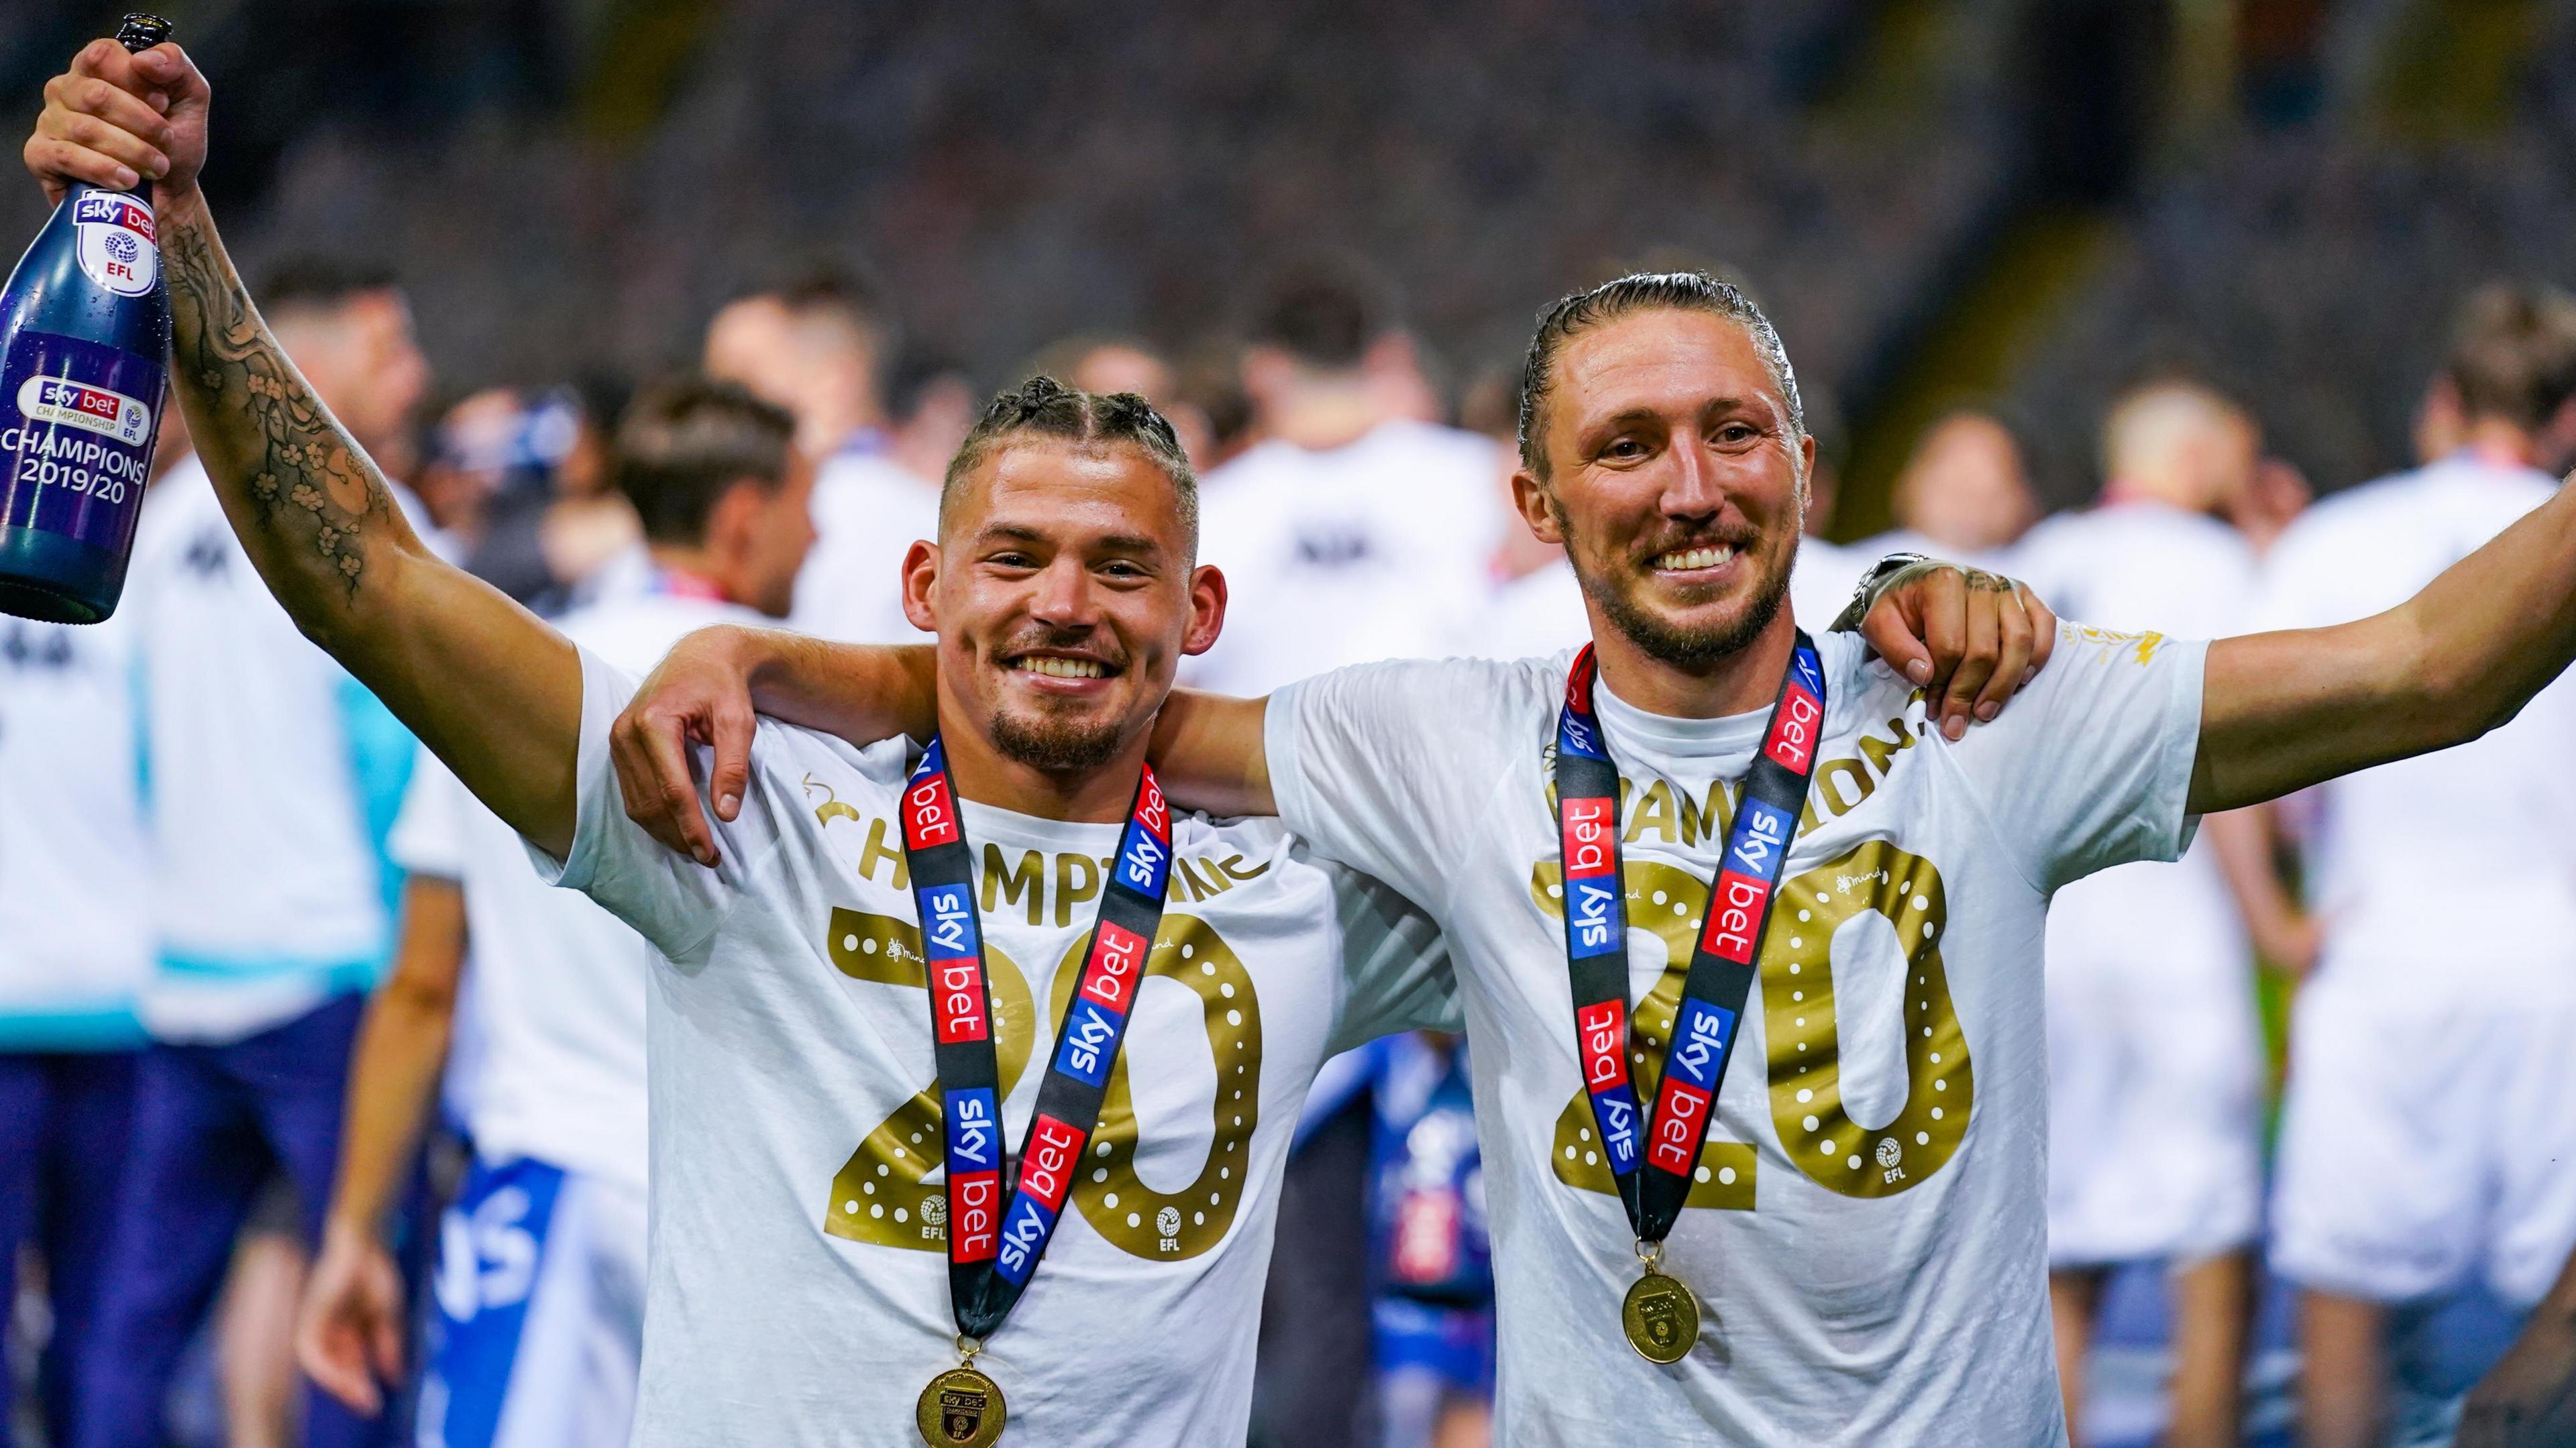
(1691, 650)
(1055, 746)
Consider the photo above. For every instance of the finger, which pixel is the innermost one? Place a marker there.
(56, 162)
(733, 729)
(170, 68)
(104, 59)
(79, 128)
(110, 104)
(329, 1354)
(385, 1337)
(676, 818)
(1976, 663)
(2043, 629)
(1943, 602)
(1892, 634)
(2012, 661)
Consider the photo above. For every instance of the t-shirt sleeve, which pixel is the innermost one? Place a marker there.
(2090, 766)
(1395, 964)
(1378, 766)
(670, 899)
(428, 834)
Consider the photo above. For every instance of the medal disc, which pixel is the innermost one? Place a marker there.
(962, 1408)
(1661, 1318)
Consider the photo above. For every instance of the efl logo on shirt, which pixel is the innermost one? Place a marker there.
(1794, 724)
(1761, 839)
(1734, 913)
(1142, 862)
(974, 1131)
(929, 815)
(1117, 959)
(1089, 1044)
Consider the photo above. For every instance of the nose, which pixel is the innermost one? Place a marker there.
(1064, 596)
(1692, 489)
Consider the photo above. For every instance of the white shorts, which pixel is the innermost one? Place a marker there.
(2429, 1134)
(2154, 1079)
(540, 1326)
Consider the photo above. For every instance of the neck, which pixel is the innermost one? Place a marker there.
(1739, 683)
(1326, 413)
(2498, 444)
(694, 570)
(987, 776)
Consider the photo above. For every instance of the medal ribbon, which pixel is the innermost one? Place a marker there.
(993, 1245)
(1653, 1158)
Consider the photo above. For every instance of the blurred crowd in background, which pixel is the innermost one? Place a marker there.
(2027, 255)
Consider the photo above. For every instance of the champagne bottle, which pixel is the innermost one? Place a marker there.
(84, 338)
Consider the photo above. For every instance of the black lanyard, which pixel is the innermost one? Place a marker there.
(1722, 961)
(993, 1247)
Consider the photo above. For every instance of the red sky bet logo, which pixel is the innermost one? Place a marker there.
(1117, 958)
(1046, 1173)
(957, 993)
(929, 815)
(1587, 842)
(98, 210)
(1679, 1109)
(974, 1215)
(1603, 1030)
(1154, 810)
(1793, 729)
(1734, 913)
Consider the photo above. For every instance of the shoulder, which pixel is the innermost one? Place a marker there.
(1455, 707)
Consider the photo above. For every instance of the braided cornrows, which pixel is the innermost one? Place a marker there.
(1048, 408)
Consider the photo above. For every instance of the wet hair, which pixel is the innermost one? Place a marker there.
(1682, 291)
(1044, 407)
(684, 441)
(2513, 354)
(315, 283)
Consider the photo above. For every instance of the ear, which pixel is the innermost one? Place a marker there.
(1529, 495)
(1806, 476)
(1207, 609)
(734, 518)
(920, 576)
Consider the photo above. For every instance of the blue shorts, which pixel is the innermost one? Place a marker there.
(540, 1312)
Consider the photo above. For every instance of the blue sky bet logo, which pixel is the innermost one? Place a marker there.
(1699, 1042)
(947, 922)
(1761, 840)
(1084, 1052)
(974, 1134)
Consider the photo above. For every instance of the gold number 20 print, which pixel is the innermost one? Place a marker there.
(1800, 1034)
(883, 1196)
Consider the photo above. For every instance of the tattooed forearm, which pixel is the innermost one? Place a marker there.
(265, 436)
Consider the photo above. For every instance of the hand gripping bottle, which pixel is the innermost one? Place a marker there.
(84, 335)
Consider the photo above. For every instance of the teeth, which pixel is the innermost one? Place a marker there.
(1694, 558)
(1062, 668)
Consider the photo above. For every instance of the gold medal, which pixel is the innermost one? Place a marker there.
(1661, 1317)
(961, 1408)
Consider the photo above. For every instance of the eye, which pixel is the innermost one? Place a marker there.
(1628, 448)
(1737, 432)
(1012, 558)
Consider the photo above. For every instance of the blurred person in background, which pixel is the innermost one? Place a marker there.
(524, 474)
(269, 780)
(2528, 1400)
(933, 403)
(1964, 494)
(1347, 534)
(76, 890)
(1433, 1265)
(2155, 1059)
(818, 346)
(2426, 1135)
(540, 1287)
(1108, 364)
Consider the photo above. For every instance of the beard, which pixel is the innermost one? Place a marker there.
(1693, 650)
(1055, 746)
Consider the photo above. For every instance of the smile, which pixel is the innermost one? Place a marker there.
(1056, 668)
(1682, 560)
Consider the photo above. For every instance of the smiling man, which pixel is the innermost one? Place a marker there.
(1843, 1240)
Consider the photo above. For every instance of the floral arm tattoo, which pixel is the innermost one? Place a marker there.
(312, 492)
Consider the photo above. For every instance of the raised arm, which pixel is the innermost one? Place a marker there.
(491, 690)
(2281, 711)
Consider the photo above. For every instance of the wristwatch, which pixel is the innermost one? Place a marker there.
(1876, 580)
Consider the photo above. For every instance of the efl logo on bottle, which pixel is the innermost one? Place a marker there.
(116, 241)
(92, 409)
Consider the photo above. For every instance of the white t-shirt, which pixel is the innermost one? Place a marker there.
(2146, 565)
(558, 1001)
(1541, 612)
(868, 512)
(1374, 550)
(272, 778)
(75, 864)
(799, 1293)
(1872, 1284)
(2497, 824)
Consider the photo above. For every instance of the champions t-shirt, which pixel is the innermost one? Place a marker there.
(798, 1283)
(1867, 1235)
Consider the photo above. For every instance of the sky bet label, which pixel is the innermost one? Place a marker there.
(117, 243)
(1591, 889)
(76, 437)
